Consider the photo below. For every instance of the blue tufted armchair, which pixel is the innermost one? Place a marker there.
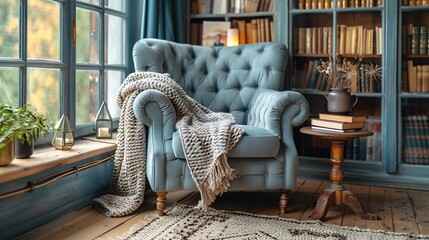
(245, 81)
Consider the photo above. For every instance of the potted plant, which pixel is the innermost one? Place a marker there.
(23, 124)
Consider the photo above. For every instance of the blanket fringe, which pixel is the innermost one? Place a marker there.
(216, 183)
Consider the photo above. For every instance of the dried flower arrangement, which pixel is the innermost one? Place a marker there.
(342, 72)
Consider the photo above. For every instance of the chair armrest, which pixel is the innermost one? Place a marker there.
(275, 110)
(154, 109)
(279, 112)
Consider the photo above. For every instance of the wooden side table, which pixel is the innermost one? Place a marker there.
(336, 193)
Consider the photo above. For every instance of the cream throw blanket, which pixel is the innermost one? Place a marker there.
(206, 137)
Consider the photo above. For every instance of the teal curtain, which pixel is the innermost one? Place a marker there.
(164, 19)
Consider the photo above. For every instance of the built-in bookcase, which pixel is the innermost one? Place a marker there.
(413, 86)
(350, 29)
(255, 20)
(397, 105)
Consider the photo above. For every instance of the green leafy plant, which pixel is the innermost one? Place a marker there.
(22, 123)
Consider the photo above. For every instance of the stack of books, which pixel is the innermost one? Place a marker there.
(338, 123)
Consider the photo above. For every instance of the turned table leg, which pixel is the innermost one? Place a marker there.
(336, 194)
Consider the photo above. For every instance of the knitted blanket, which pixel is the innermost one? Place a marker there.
(206, 137)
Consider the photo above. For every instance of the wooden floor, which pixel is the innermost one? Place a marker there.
(401, 210)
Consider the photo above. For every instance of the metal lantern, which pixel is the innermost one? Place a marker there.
(63, 134)
(103, 123)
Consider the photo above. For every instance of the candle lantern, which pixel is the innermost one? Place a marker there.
(63, 134)
(232, 37)
(103, 123)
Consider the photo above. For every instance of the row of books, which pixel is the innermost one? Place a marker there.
(365, 83)
(366, 148)
(249, 31)
(351, 40)
(309, 77)
(254, 30)
(359, 40)
(327, 4)
(415, 2)
(416, 78)
(416, 139)
(231, 6)
(317, 40)
(416, 39)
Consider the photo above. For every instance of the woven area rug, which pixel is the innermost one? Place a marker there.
(186, 222)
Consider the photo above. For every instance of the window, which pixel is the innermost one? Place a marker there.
(63, 56)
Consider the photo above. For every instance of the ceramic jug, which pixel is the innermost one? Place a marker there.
(339, 101)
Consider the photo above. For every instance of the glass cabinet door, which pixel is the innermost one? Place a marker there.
(414, 84)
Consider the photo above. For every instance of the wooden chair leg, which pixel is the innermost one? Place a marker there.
(160, 203)
(283, 201)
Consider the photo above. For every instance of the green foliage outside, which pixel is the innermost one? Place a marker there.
(43, 84)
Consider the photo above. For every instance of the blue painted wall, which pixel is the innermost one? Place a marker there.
(24, 212)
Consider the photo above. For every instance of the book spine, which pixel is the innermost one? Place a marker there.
(419, 121)
(425, 137)
(308, 37)
(355, 149)
(313, 75)
(349, 149)
(370, 142)
(241, 24)
(376, 151)
(423, 41)
(413, 153)
(407, 145)
(415, 44)
(409, 38)
(362, 148)
(329, 38)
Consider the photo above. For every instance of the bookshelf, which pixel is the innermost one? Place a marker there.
(359, 30)
(413, 86)
(396, 115)
(255, 20)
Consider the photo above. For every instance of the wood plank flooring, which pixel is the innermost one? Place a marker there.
(401, 210)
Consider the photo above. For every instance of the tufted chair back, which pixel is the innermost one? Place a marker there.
(224, 79)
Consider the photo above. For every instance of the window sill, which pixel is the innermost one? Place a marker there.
(48, 157)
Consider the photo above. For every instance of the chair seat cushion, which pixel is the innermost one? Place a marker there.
(255, 142)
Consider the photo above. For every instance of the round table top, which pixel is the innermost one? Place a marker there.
(336, 135)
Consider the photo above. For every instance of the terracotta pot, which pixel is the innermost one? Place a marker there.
(340, 101)
(7, 154)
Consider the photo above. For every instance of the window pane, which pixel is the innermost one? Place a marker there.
(115, 4)
(9, 85)
(113, 81)
(43, 29)
(115, 40)
(87, 36)
(9, 28)
(86, 96)
(95, 2)
(43, 91)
